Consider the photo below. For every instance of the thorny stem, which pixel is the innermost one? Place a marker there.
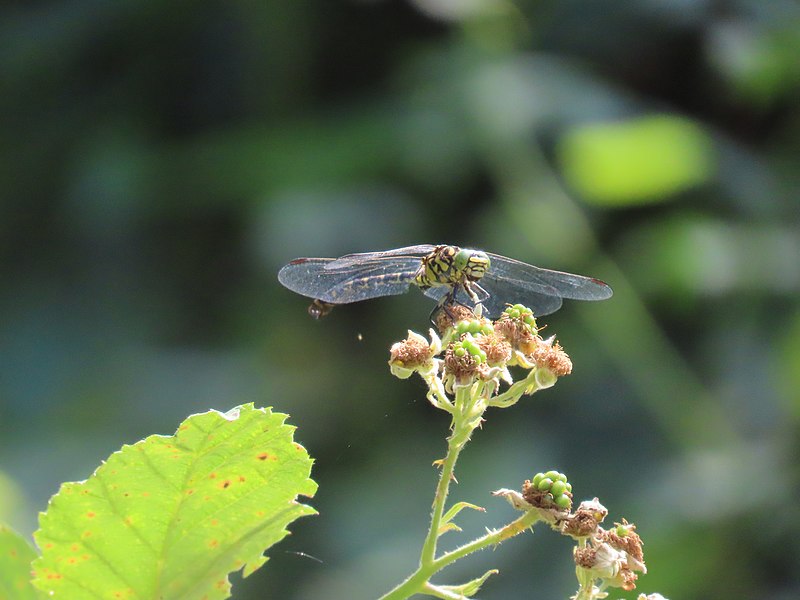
(455, 443)
(492, 538)
(419, 580)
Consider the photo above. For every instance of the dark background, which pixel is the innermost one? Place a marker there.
(161, 161)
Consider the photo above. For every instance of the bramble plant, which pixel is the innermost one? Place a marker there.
(477, 355)
(169, 517)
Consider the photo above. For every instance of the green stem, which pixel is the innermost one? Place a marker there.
(517, 526)
(514, 393)
(419, 580)
(454, 446)
(464, 422)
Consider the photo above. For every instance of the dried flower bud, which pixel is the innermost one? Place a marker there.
(601, 560)
(447, 316)
(549, 355)
(585, 521)
(496, 347)
(463, 359)
(624, 537)
(414, 354)
(520, 335)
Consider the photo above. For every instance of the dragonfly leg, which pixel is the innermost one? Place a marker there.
(449, 311)
(476, 292)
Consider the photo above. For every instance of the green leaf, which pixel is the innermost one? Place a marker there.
(451, 514)
(16, 556)
(465, 590)
(637, 161)
(170, 517)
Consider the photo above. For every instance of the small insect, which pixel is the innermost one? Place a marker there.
(448, 274)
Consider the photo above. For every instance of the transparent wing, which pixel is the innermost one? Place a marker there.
(502, 292)
(546, 282)
(373, 282)
(363, 258)
(540, 298)
(312, 278)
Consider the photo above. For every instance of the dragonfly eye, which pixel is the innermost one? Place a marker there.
(474, 264)
(461, 260)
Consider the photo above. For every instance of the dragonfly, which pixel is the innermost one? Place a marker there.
(447, 274)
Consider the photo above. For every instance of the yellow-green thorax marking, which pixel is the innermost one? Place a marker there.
(451, 265)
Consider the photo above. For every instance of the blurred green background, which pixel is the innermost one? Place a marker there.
(161, 161)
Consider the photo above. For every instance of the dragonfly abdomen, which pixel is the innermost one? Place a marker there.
(369, 286)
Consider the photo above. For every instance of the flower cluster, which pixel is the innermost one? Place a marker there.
(477, 354)
(603, 557)
(614, 556)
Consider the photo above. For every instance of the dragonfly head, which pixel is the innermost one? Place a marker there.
(472, 263)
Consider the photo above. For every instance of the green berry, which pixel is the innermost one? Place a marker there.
(536, 479)
(460, 351)
(563, 502)
(569, 487)
(553, 475)
(544, 484)
(558, 488)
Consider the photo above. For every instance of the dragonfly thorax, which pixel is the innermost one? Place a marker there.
(451, 265)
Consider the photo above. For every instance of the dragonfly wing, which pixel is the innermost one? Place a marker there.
(312, 277)
(437, 292)
(307, 276)
(540, 298)
(502, 292)
(462, 297)
(373, 281)
(411, 252)
(545, 281)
